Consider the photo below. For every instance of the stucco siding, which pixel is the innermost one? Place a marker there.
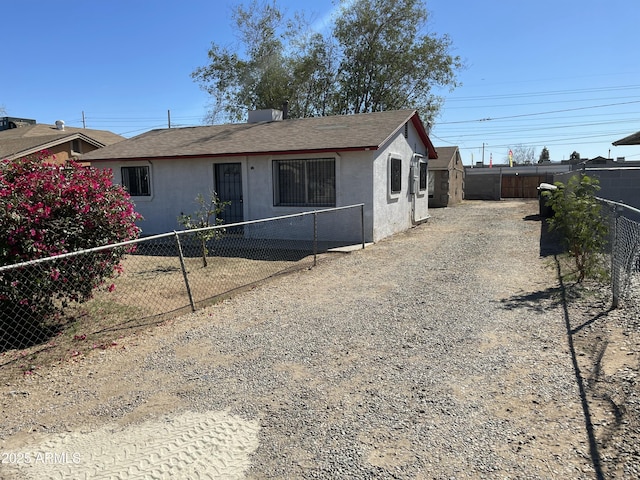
(396, 212)
(174, 187)
(360, 177)
(176, 183)
(353, 185)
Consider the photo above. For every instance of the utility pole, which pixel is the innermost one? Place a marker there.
(169, 118)
(84, 125)
(483, 154)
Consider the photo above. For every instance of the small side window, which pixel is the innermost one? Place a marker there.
(395, 175)
(423, 176)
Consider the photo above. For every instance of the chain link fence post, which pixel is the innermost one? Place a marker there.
(315, 238)
(184, 272)
(362, 224)
(624, 230)
(615, 271)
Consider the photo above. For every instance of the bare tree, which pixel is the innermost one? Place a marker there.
(523, 155)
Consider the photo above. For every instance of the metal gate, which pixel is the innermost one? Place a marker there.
(228, 180)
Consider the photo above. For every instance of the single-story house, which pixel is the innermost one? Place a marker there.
(271, 167)
(446, 178)
(22, 138)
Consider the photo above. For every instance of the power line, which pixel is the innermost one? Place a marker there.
(487, 119)
(540, 94)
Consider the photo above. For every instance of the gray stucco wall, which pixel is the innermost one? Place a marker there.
(482, 187)
(617, 184)
(396, 212)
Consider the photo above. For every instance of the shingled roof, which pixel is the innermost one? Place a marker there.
(445, 154)
(368, 131)
(22, 141)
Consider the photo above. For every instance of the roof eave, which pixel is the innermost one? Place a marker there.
(424, 136)
(633, 139)
(54, 143)
(239, 154)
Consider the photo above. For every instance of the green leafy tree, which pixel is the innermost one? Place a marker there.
(578, 218)
(374, 58)
(259, 76)
(544, 155)
(206, 216)
(386, 63)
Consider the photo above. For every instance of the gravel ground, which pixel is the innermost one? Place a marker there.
(439, 353)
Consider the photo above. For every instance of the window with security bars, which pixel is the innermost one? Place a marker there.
(396, 175)
(136, 181)
(305, 182)
(423, 176)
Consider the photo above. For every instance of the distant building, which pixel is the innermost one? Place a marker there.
(12, 122)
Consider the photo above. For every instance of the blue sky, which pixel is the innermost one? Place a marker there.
(562, 74)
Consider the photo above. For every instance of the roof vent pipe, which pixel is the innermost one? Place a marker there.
(60, 124)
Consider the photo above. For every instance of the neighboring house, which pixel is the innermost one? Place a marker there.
(271, 167)
(446, 178)
(20, 139)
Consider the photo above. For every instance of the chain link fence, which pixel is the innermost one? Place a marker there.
(162, 276)
(624, 241)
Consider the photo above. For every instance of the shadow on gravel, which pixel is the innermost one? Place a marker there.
(536, 301)
(593, 444)
(551, 298)
(544, 300)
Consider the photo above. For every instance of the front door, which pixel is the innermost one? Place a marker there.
(229, 189)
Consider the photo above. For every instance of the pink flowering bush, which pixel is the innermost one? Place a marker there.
(48, 210)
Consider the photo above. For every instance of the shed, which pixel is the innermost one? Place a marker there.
(447, 176)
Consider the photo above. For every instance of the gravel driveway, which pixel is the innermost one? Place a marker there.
(427, 355)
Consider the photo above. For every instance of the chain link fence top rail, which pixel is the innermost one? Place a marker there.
(166, 275)
(624, 241)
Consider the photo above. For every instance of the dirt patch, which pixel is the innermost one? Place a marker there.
(150, 290)
(308, 385)
(607, 345)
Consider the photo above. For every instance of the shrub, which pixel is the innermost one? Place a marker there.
(578, 218)
(48, 210)
(206, 216)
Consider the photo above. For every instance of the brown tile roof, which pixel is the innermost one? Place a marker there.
(318, 134)
(633, 139)
(20, 141)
